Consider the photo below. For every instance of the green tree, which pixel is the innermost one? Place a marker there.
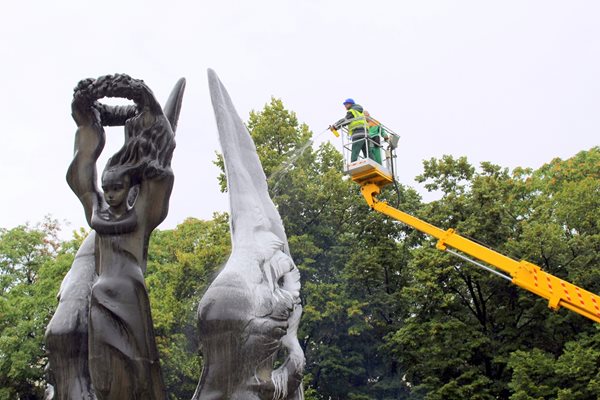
(573, 375)
(463, 325)
(181, 264)
(32, 263)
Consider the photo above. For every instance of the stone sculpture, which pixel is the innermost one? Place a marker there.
(101, 340)
(248, 317)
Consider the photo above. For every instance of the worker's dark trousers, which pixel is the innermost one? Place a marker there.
(375, 148)
(375, 153)
(359, 143)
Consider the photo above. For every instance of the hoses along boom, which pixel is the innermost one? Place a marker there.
(372, 176)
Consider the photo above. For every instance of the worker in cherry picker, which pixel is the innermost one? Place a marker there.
(376, 133)
(357, 128)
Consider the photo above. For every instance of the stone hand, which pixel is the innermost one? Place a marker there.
(84, 113)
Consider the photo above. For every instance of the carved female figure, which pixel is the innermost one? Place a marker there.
(136, 186)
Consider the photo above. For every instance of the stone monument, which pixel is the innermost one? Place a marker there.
(248, 317)
(101, 339)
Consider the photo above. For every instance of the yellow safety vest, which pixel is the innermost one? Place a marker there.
(359, 121)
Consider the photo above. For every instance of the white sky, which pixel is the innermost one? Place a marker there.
(512, 82)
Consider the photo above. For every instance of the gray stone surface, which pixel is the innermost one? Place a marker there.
(67, 333)
(101, 339)
(248, 318)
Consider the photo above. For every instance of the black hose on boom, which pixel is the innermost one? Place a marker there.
(394, 179)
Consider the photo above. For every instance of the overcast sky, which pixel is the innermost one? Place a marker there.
(516, 83)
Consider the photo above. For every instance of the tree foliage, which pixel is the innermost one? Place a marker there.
(32, 263)
(181, 264)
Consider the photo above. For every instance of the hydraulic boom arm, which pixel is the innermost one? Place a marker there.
(524, 274)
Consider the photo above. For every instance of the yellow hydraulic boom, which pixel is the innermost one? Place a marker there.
(372, 176)
(524, 274)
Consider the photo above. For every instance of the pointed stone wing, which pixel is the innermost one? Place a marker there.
(252, 210)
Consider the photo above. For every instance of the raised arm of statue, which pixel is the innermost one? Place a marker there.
(89, 142)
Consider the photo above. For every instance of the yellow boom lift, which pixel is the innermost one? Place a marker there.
(372, 176)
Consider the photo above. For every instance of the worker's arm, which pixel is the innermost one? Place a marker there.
(344, 121)
(383, 133)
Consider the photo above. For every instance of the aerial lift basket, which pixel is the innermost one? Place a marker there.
(365, 169)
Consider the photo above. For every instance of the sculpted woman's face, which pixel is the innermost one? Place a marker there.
(116, 188)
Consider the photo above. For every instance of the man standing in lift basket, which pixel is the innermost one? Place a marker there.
(357, 128)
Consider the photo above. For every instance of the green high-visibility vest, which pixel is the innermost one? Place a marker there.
(359, 121)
